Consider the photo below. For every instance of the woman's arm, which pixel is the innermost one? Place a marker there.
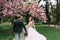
(34, 25)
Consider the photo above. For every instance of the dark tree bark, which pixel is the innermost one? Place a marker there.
(27, 17)
(58, 13)
(47, 12)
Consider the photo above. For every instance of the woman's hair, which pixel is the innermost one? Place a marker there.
(31, 18)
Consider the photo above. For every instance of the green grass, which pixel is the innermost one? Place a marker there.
(6, 32)
(48, 32)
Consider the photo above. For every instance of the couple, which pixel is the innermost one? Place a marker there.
(30, 31)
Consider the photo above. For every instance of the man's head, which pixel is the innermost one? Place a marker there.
(19, 17)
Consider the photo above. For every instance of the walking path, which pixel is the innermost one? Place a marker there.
(8, 23)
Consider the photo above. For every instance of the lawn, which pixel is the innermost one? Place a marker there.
(6, 32)
(50, 33)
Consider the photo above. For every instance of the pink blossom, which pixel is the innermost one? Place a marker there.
(11, 8)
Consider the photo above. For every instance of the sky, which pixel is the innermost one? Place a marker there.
(53, 2)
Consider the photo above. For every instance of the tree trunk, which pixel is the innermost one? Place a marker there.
(47, 12)
(27, 17)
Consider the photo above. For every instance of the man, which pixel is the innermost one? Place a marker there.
(18, 28)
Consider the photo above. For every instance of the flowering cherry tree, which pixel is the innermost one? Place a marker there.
(36, 11)
(11, 8)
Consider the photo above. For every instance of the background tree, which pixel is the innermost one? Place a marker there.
(11, 8)
(47, 11)
(58, 14)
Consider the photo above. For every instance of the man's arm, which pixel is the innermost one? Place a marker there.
(25, 30)
(24, 27)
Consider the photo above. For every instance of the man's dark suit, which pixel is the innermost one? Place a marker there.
(18, 26)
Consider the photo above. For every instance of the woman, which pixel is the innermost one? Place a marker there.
(32, 33)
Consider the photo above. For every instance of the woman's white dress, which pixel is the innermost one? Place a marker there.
(34, 35)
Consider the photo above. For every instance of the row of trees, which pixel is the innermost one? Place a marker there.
(54, 12)
(10, 8)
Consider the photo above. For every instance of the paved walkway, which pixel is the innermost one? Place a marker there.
(7, 23)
